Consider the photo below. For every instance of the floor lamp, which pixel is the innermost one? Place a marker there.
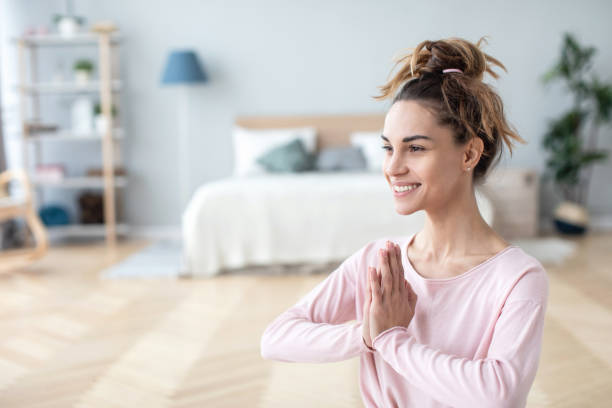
(183, 69)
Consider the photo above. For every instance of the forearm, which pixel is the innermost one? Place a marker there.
(296, 339)
(453, 380)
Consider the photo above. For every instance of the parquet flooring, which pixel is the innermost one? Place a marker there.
(70, 339)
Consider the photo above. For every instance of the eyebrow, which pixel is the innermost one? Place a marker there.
(410, 138)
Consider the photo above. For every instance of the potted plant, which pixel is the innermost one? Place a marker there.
(571, 140)
(67, 25)
(82, 71)
(100, 120)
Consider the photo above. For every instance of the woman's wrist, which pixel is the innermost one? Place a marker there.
(366, 344)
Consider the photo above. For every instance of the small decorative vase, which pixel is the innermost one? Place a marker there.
(82, 76)
(67, 26)
(101, 124)
(82, 116)
(571, 218)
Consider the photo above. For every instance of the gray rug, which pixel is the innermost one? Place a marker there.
(161, 259)
(164, 259)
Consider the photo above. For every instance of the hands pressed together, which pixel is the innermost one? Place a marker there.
(390, 300)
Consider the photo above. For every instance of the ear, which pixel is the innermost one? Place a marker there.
(472, 152)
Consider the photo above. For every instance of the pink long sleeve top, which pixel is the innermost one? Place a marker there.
(474, 341)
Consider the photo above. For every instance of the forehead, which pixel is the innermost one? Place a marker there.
(409, 117)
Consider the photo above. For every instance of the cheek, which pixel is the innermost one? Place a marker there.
(438, 173)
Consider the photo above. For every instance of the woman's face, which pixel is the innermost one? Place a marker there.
(418, 151)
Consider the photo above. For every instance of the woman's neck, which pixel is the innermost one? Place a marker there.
(456, 230)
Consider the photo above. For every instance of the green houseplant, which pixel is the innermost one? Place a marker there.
(571, 139)
(68, 24)
(82, 70)
(100, 120)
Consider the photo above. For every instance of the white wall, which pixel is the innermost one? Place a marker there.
(282, 57)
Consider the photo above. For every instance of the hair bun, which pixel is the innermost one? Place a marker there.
(432, 57)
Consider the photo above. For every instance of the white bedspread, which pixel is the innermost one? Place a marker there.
(291, 218)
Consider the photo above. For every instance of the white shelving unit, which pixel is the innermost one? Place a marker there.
(104, 37)
(66, 135)
(78, 182)
(67, 87)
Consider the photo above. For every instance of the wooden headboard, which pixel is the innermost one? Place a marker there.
(332, 130)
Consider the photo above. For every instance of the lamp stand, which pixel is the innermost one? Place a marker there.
(184, 164)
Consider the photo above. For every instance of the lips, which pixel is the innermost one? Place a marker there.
(403, 193)
(401, 183)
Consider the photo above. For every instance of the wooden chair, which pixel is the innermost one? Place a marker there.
(13, 207)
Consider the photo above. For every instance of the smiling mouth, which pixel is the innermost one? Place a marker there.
(404, 192)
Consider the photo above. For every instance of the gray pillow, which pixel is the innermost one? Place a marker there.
(343, 158)
(290, 157)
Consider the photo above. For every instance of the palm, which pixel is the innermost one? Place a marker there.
(390, 300)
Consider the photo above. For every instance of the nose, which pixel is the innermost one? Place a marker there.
(393, 165)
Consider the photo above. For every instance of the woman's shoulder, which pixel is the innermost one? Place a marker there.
(526, 277)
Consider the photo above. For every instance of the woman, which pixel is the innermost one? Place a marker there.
(453, 315)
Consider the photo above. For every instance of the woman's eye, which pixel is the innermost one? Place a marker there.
(412, 148)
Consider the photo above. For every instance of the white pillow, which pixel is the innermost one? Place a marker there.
(249, 144)
(371, 145)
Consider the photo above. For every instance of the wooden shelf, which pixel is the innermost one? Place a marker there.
(83, 230)
(78, 182)
(82, 38)
(68, 136)
(31, 89)
(66, 87)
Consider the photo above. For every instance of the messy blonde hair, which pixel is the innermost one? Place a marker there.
(462, 101)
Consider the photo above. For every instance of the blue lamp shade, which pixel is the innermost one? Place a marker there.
(183, 67)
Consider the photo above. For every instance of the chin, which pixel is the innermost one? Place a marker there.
(403, 209)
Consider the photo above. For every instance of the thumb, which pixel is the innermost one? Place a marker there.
(375, 292)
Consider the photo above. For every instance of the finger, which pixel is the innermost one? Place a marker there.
(397, 278)
(399, 262)
(398, 253)
(380, 282)
(375, 281)
(387, 278)
(368, 299)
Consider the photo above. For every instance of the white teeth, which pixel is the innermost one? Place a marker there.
(400, 189)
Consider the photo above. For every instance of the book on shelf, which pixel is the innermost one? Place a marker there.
(50, 172)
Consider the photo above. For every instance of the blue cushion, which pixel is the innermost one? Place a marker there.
(343, 158)
(290, 157)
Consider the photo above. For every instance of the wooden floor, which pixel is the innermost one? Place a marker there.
(70, 339)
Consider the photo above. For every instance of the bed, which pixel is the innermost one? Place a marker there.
(310, 216)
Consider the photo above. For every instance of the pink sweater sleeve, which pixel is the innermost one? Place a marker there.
(314, 329)
(503, 378)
